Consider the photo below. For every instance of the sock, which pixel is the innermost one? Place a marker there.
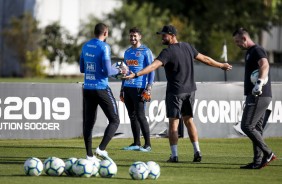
(196, 146)
(174, 152)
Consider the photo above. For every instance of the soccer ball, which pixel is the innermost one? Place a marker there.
(107, 169)
(54, 166)
(154, 170)
(118, 65)
(83, 168)
(33, 167)
(138, 171)
(96, 167)
(68, 166)
(254, 77)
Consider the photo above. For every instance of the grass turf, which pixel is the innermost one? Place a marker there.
(221, 161)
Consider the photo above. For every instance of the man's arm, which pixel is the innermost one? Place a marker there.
(263, 68)
(155, 65)
(262, 78)
(149, 59)
(211, 62)
(108, 69)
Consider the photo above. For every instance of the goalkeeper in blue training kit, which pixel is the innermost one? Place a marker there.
(95, 63)
(137, 91)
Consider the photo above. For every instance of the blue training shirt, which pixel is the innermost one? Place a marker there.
(95, 62)
(137, 59)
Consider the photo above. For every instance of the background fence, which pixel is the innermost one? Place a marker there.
(43, 111)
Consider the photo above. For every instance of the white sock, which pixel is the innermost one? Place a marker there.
(173, 149)
(196, 146)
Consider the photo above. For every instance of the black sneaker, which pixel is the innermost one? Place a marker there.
(173, 159)
(197, 157)
(267, 159)
(251, 166)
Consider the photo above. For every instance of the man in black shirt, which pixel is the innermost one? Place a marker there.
(258, 98)
(178, 61)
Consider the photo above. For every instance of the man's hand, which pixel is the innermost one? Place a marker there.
(226, 66)
(257, 90)
(128, 77)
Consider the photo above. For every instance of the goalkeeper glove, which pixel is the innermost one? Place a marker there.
(257, 90)
(121, 95)
(146, 94)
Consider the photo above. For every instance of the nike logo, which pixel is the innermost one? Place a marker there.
(272, 157)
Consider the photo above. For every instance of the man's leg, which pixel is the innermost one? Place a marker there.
(258, 154)
(193, 135)
(89, 118)
(191, 128)
(173, 138)
(144, 125)
(187, 114)
(108, 104)
(129, 95)
(252, 115)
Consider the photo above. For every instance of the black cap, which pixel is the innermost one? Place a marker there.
(168, 29)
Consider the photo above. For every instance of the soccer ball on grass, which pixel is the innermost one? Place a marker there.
(33, 166)
(108, 169)
(69, 166)
(96, 167)
(54, 166)
(138, 171)
(83, 168)
(154, 170)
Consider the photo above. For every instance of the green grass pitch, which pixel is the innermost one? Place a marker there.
(221, 161)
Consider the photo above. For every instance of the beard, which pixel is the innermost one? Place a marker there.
(165, 42)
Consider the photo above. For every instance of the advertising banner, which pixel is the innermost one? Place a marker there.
(39, 111)
(43, 111)
(217, 111)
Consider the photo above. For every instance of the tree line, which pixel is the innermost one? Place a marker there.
(205, 24)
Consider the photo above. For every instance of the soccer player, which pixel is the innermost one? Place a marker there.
(95, 62)
(178, 60)
(258, 98)
(137, 91)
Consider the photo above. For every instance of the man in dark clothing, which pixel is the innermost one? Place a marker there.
(178, 62)
(258, 97)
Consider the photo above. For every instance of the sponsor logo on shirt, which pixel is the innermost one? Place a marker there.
(89, 54)
(90, 67)
(92, 46)
(90, 77)
(138, 54)
(132, 62)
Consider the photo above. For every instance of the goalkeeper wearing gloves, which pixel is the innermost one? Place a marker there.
(258, 98)
(137, 91)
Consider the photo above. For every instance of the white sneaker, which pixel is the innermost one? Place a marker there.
(102, 153)
(93, 158)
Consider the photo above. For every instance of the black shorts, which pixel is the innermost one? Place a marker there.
(179, 105)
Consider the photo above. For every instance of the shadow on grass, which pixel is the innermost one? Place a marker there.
(19, 160)
(43, 175)
(59, 147)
